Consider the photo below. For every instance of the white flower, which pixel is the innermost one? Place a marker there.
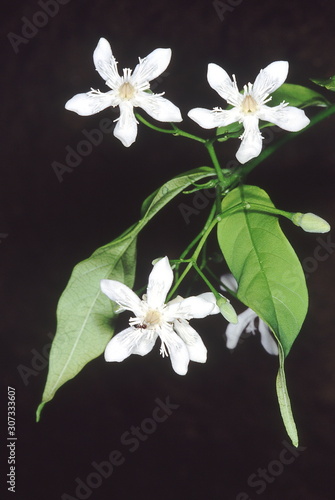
(250, 107)
(246, 322)
(128, 91)
(153, 318)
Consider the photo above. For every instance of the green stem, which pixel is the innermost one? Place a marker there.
(197, 238)
(208, 283)
(178, 131)
(265, 209)
(153, 127)
(194, 256)
(175, 130)
(210, 148)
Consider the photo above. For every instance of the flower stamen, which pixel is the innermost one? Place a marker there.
(249, 105)
(153, 318)
(126, 91)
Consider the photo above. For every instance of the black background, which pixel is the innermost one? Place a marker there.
(227, 425)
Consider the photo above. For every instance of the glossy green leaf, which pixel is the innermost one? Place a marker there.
(328, 83)
(298, 96)
(269, 275)
(85, 317)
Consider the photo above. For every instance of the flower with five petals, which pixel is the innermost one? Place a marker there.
(153, 318)
(246, 322)
(250, 106)
(127, 91)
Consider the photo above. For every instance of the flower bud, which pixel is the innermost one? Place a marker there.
(311, 223)
(227, 310)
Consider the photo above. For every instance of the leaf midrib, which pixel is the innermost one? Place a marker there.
(245, 213)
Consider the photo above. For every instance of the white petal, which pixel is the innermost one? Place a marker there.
(270, 79)
(129, 341)
(267, 340)
(105, 63)
(210, 297)
(158, 108)
(102, 54)
(286, 117)
(229, 281)
(159, 283)
(151, 66)
(220, 81)
(177, 350)
(145, 344)
(122, 295)
(126, 126)
(207, 118)
(192, 307)
(195, 346)
(234, 331)
(89, 103)
(251, 145)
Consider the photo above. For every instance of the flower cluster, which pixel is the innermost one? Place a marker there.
(132, 90)
(153, 317)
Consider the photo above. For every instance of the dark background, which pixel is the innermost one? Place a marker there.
(227, 425)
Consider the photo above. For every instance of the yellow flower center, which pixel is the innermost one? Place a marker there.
(249, 105)
(126, 91)
(152, 318)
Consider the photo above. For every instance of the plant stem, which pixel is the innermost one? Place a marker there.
(178, 131)
(153, 127)
(194, 256)
(197, 238)
(210, 148)
(208, 283)
(175, 130)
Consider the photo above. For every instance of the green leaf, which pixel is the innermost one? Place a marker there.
(159, 198)
(328, 83)
(298, 96)
(85, 316)
(269, 275)
(284, 400)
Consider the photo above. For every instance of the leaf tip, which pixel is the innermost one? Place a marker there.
(39, 410)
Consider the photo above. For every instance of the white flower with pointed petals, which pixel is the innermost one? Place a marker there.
(153, 319)
(246, 322)
(250, 106)
(128, 91)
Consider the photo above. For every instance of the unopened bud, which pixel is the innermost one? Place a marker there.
(227, 310)
(311, 223)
